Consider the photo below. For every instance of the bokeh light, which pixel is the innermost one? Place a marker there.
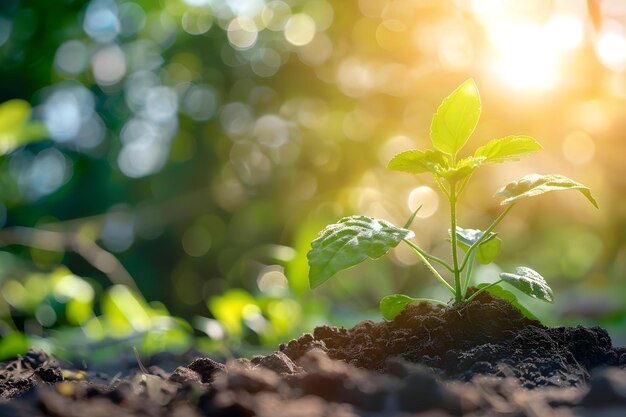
(426, 198)
(578, 148)
(300, 29)
(611, 46)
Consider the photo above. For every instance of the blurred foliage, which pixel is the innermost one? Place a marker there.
(193, 148)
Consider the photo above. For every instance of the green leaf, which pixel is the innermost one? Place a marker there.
(417, 162)
(464, 168)
(410, 219)
(536, 184)
(456, 118)
(509, 148)
(498, 291)
(392, 305)
(487, 251)
(529, 282)
(348, 242)
(436, 162)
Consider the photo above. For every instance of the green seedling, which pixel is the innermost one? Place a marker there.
(356, 238)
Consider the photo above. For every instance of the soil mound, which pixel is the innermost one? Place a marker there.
(482, 359)
(487, 336)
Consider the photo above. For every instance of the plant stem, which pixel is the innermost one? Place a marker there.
(482, 289)
(430, 267)
(429, 256)
(495, 223)
(468, 275)
(464, 184)
(455, 258)
(441, 187)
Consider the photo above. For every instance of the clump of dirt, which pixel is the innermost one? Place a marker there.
(487, 336)
(482, 359)
(22, 374)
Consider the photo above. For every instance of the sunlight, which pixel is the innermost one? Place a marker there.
(529, 49)
(524, 61)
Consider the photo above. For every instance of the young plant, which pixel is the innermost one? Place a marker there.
(355, 238)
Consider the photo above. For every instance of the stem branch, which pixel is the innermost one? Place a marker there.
(468, 275)
(429, 256)
(486, 287)
(60, 241)
(431, 268)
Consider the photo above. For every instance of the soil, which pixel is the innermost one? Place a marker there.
(482, 359)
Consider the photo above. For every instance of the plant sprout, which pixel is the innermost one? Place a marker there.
(355, 238)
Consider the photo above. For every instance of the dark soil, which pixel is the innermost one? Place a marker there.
(482, 359)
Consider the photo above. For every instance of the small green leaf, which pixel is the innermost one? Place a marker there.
(436, 162)
(349, 242)
(417, 162)
(464, 168)
(392, 305)
(410, 219)
(487, 251)
(529, 282)
(509, 148)
(536, 184)
(470, 236)
(498, 291)
(456, 118)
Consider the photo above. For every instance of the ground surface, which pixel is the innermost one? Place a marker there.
(484, 359)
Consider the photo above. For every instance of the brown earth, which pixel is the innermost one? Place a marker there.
(482, 359)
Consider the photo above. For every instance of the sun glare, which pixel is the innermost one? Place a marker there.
(529, 51)
(524, 61)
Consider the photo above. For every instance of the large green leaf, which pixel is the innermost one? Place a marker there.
(487, 251)
(456, 118)
(351, 241)
(508, 148)
(536, 184)
(417, 162)
(529, 282)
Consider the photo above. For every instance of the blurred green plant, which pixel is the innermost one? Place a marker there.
(356, 238)
(16, 128)
(82, 319)
(272, 318)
